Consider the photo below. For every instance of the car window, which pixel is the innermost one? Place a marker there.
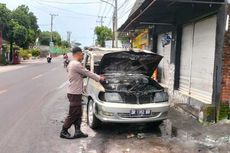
(87, 62)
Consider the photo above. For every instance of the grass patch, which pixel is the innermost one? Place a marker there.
(224, 112)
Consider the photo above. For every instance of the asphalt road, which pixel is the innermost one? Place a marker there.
(23, 93)
(33, 106)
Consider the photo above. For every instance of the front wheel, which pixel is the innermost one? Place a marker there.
(93, 122)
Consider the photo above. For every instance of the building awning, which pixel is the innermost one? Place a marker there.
(168, 12)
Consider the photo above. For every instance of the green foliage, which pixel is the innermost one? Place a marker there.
(19, 32)
(124, 39)
(224, 111)
(44, 38)
(25, 18)
(56, 38)
(25, 54)
(31, 37)
(103, 33)
(35, 52)
(59, 50)
(6, 48)
(20, 25)
(65, 44)
(5, 16)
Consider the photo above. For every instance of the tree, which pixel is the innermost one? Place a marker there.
(25, 20)
(4, 20)
(56, 38)
(103, 33)
(19, 33)
(44, 38)
(65, 44)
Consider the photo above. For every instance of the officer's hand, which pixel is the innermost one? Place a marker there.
(102, 78)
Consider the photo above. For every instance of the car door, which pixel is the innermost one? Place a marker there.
(87, 65)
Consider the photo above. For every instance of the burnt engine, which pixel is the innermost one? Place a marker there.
(132, 89)
(130, 83)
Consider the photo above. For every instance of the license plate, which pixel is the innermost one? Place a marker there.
(140, 112)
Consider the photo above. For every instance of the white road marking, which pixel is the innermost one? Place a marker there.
(63, 85)
(36, 77)
(3, 91)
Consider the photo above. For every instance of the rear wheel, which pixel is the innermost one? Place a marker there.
(93, 121)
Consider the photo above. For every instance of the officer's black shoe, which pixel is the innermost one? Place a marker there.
(65, 134)
(79, 134)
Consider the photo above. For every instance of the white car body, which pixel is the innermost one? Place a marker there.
(106, 111)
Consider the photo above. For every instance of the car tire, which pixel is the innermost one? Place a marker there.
(92, 120)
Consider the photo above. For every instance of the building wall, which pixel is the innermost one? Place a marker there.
(225, 92)
(176, 96)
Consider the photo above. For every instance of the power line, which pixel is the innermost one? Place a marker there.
(101, 21)
(125, 13)
(77, 13)
(124, 8)
(123, 4)
(58, 2)
(110, 21)
(109, 10)
(99, 11)
(105, 8)
(51, 27)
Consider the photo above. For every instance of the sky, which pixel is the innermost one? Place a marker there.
(78, 16)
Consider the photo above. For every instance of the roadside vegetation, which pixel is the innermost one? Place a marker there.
(103, 33)
(21, 31)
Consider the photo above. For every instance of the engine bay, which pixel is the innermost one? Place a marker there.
(130, 83)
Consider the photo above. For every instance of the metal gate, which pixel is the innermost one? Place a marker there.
(197, 59)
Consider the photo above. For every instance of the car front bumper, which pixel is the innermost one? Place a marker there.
(120, 113)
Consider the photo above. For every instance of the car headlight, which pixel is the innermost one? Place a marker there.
(110, 97)
(160, 97)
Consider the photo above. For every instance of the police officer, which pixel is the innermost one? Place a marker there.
(76, 72)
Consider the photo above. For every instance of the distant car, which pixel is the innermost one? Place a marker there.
(129, 94)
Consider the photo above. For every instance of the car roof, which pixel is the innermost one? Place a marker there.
(103, 51)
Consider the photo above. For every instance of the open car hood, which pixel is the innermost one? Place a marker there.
(130, 62)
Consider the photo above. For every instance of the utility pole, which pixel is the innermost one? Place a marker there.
(101, 21)
(115, 20)
(113, 37)
(94, 40)
(69, 36)
(51, 27)
(116, 24)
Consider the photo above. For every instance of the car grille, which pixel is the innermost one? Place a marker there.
(127, 115)
(145, 99)
(132, 99)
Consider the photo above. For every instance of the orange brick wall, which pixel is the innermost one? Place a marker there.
(225, 94)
